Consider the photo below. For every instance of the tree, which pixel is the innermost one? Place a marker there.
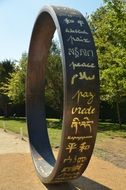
(108, 25)
(54, 79)
(6, 68)
(14, 88)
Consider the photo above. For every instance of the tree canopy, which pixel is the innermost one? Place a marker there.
(54, 79)
(14, 87)
(108, 25)
(6, 68)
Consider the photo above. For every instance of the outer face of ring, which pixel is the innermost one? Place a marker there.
(81, 94)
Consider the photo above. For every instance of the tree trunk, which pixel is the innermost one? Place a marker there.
(118, 114)
(6, 110)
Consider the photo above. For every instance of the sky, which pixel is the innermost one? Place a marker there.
(17, 18)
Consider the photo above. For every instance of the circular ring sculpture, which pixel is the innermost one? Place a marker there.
(81, 94)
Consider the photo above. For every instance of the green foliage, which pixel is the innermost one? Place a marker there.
(105, 130)
(113, 84)
(108, 25)
(14, 89)
(15, 125)
(110, 37)
(54, 81)
(6, 68)
(15, 86)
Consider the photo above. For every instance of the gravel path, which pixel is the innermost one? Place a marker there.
(17, 171)
(12, 143)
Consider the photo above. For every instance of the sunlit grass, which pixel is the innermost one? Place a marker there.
(105, 130)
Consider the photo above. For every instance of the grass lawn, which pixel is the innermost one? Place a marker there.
(110, 143)
(105, 130)
(110, 130)
(19, 124)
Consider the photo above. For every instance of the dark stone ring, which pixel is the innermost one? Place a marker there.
(81, 94)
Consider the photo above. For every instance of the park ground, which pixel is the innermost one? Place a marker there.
(107, 168)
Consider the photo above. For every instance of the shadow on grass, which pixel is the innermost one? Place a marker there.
(110, 127)
(21, 119)
(82, 183)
